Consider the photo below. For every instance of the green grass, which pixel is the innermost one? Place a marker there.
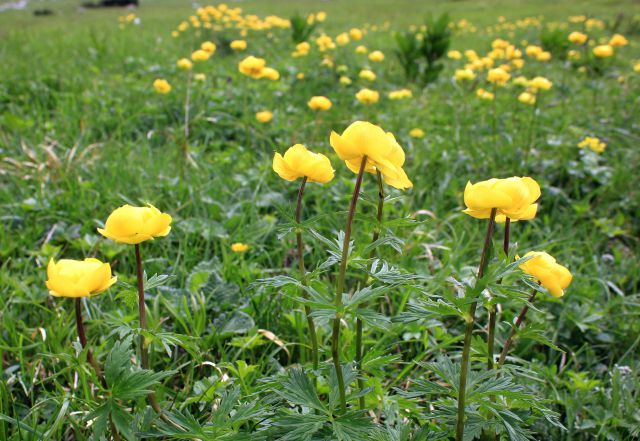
(82, 132)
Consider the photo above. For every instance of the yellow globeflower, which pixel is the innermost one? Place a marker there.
(498, 76)
(527, 98)
(533, 51)
(464, 75)
(544, 56)
(270, 74)
(78, 278)
(134, 225)
(540, 83)
(184, 64)
(342, 39)
(361, 49)
(553, 276)
(355, 34)
(383, 152)
(368, 75)
(514, 198)
(603, 51)
(593, 143)
(416, 133)
(162, 86)
(376, 56)
(252, 66)
(400, 94)
(577, 37)
(618, 40)
(264, 116)
(345, 80)
(209, 47)
(239, 247)
(368, 96)
(454, 55)
(238, 45)
(200, 55)
(484, 95)
(298, 162)
(319, 103)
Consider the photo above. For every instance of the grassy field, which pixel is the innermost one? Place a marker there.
(82, 132)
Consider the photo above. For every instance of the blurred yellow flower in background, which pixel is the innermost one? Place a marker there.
(264, 116)
(319, 103)
(162, 86)
(368, 96)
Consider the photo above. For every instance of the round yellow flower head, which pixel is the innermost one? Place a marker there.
(264, 116)
(321, 16)
(454, 55)
(298, 162)
(252, 66)
(603, 51)
(319, 103)
(553, 276)
(383, 152)
(376, 56)
(200, 55)
(400, 94)
(355, 34)
(593, 143)
(578, 37)
(514, 198)
(533, 51)
(361, 49)
(270, 74)
(239, 247)
(464, 75)
(134, 225)
(368, 96)
(199, 77)
(368, 75)
(238, 45)
(498, 76)
(540, 83)
(416, 133)
(342, 39)
(78, 278)
(484, 95)
(209, 47)
(544, 56)
(618, 40)
(636, 67)
(345, 80)
(184, 64)
(162, 86)
(527, 98)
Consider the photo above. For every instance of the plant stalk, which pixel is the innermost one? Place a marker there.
(335, 342)
(519, 320)
(492, 311)
(470, 319)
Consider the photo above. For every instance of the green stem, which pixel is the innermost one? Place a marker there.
(376, 236)
(492, 311)
(312, 327)
(470, 319)
(335, 341)
(514, 329)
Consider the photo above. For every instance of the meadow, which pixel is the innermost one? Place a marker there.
(353, 201)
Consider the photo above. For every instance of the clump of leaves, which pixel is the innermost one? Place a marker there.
(555, 41)
(301, 28)
(420, 53)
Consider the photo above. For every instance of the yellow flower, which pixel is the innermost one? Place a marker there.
(636, 67)
(376, 56)
(252, 66)
(264, 117)
(368, 75)
(368, 96)
(540, 83)
(527, 98)
(464, 75)
(618, 40)
(400, 94)
(603, 51)
(484, 95)
(355, 34)
(78, 278)
(553, 276)
(533, 51)
(319, 103)
(593, 143)
(184, 64)
(518, 63)
(577, 37)
(345, 80)
(133, 225)
(514, 198)
(342, 39)
(298, 162)
(162, 86)
(209, 47)
(382, 150)
(416, 133)
(498, 76)
(270, 74)
(361, 49)
(521, 81)
(199, 77)
(574, 55)
(544, 56)
(239, 247)
(300, 75)
(321, 16)
(238, 45)
(454, 55)
(200, 55)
